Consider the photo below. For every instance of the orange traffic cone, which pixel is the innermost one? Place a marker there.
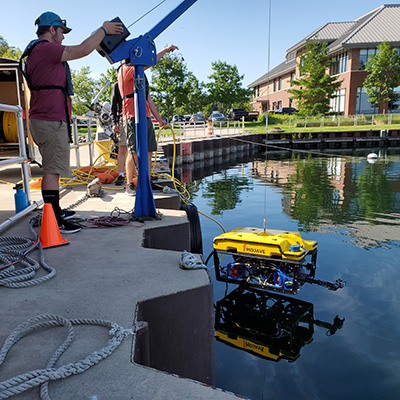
(210, 129)
(50, 235)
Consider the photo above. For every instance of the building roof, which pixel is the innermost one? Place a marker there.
(371, 29)
(326, 33)
(278, 70)
(381, 25)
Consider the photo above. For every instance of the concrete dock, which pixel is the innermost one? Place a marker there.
(129, 275)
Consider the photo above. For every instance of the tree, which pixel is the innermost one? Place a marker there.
(195, 97)
(111, 75)
(384, 76)
(309, 193)
(168, 84)
(316, 86)
(85, 88)
(9, 52)
(225, 89)
(224, 194)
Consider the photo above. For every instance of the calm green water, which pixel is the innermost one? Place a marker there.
(352, 208)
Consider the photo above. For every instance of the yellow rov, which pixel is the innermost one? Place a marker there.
(272, 244)
(280, 261)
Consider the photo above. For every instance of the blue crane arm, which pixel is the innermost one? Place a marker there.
(141, 50)
(170, 18)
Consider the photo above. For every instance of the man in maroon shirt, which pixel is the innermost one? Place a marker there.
(49, 80)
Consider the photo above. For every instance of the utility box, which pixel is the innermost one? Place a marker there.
(14, 92)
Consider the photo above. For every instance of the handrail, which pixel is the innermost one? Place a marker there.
(24, 161)
(23, 157)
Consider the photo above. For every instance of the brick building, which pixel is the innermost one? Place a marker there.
(350, 44)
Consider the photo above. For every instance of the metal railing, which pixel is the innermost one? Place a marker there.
(89, 139)
(184, 130)
(341, 120)
(24, 161)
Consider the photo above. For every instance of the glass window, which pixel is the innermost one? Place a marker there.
(338, 103)
(363, 105)
(339, 64)
(274, 85)
(365, 54)
(343, 63)
(292, 78)
(280, 84)
(291, 56)
(394, 107)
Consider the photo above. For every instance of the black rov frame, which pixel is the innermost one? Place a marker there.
(277, 275)
(268, 325)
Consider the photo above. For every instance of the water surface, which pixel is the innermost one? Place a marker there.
(352, 208)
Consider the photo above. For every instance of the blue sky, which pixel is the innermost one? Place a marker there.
(235, 31)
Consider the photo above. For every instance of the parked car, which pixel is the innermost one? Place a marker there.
(178, 119)
(187, 117)
(237, 114)
(217, 117)
(198, 118)
(154, 121)
(284, 110)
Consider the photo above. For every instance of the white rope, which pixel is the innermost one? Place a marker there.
(41, 377)
(13, 251)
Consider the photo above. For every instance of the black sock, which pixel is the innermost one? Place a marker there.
(53, 197)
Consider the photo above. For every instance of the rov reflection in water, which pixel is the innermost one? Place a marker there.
(268, 325)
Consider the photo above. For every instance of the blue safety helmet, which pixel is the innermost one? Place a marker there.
(49, 18)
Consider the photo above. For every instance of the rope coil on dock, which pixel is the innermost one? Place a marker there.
(41, 377)
(14, 250)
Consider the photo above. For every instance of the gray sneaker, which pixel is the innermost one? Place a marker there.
(130, 189)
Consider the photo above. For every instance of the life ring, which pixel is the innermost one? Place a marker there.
(196, 241)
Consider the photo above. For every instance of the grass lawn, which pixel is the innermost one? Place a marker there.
(259, 127)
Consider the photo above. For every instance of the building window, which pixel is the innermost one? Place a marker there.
(395, 106)
(344, 58)
(274, 105)
(365, 54)
(363, 105)
(280, 84)
(274, 85)
(338, 102)
(291, 78)
(279, 105)
(290, 103)
(291, 56)
(339, 64)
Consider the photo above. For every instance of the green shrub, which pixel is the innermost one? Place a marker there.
(261, 118)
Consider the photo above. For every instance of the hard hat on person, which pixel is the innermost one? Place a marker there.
(49, 18)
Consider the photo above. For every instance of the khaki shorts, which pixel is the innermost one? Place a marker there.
(121, 134)
(52, 138)
(131, 135)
